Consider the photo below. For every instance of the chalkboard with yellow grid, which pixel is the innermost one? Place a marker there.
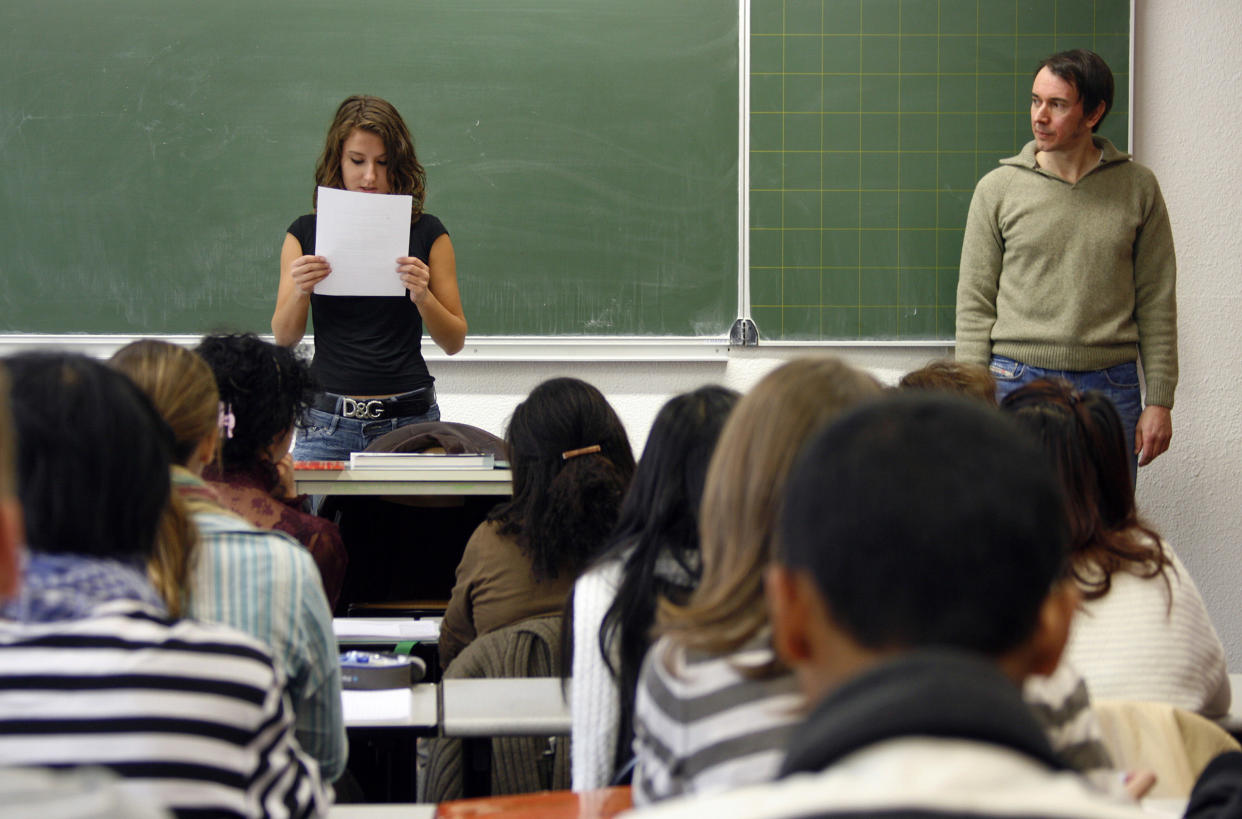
(870, 122)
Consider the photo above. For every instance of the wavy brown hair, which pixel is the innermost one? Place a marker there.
(1082, 434)
(405, 173)
(960, 377)
(742, 496)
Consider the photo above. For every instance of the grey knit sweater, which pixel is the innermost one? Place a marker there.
(1071, 276)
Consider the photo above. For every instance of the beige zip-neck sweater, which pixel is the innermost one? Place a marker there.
(1071, 276)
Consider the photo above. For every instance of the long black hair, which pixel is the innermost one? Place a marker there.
(564, 505)
(658, 523)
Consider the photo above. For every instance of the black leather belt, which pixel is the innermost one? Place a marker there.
(417, 402)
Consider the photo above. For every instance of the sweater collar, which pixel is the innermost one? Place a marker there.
(1109, 154)
(929, 693)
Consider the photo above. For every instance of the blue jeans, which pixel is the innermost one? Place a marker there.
(330, 437)
(1120, 383)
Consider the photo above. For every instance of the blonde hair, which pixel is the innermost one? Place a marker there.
(183, 390)
(180, 385)
(742, 496)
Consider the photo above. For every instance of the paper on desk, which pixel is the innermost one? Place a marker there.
(376, 706)
(385, 628)
(362, 235)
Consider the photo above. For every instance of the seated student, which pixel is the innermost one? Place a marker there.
(911, 612)
(259, 581)
(654, 555)
(1144, 633)
(713, 708)
(949, 376)
(265, 390)
(191, 716)
(571, 463)
(1061, 700)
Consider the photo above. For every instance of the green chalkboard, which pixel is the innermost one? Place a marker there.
(582, 153)
(870, 122)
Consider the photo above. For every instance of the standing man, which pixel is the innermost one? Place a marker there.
(1068, 267)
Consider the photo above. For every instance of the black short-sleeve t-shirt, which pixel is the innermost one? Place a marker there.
(369, 345)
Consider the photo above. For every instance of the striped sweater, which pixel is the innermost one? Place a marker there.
(191, 716)
(702, 725)
(265, 584)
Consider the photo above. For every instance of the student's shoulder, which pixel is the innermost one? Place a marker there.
(303, 229)
(132, 626)
(429, 225)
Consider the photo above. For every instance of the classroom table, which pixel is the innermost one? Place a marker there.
(348, 481)
(416, 707)
(531, 706)
(385, 631)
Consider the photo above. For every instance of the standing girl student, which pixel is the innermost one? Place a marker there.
(368, 349)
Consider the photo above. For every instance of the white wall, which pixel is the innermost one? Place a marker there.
(1188, 120)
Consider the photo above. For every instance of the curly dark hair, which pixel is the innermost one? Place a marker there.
(268, 389)
(563, 509)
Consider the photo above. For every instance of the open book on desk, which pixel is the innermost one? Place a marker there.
(419, 460)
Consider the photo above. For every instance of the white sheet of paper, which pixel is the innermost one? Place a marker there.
(362, 235)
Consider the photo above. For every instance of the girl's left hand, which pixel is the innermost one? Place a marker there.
(416, 276)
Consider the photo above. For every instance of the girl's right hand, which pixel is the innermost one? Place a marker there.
(307, 271)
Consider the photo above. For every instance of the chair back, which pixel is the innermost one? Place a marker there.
(1173, 743)
(529, 648)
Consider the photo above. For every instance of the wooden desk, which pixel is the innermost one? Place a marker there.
(597, 804)
(404, 481)
(532, 706)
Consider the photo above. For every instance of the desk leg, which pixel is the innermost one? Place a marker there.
(476, 767)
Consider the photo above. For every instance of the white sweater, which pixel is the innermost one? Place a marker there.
(1132, 644)
(594, 702)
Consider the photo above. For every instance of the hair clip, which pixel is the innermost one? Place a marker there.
(574, 453)
(225, 419)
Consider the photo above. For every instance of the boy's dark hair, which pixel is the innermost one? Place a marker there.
(93, 457)
(926, 520)
(1090, 76)
(563, 509)
(267, 387)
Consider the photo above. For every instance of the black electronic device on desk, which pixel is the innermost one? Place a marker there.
(375, 670)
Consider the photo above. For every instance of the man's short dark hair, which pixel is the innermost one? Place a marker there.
(926, 520)
(1090, 76)
(93, 457)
